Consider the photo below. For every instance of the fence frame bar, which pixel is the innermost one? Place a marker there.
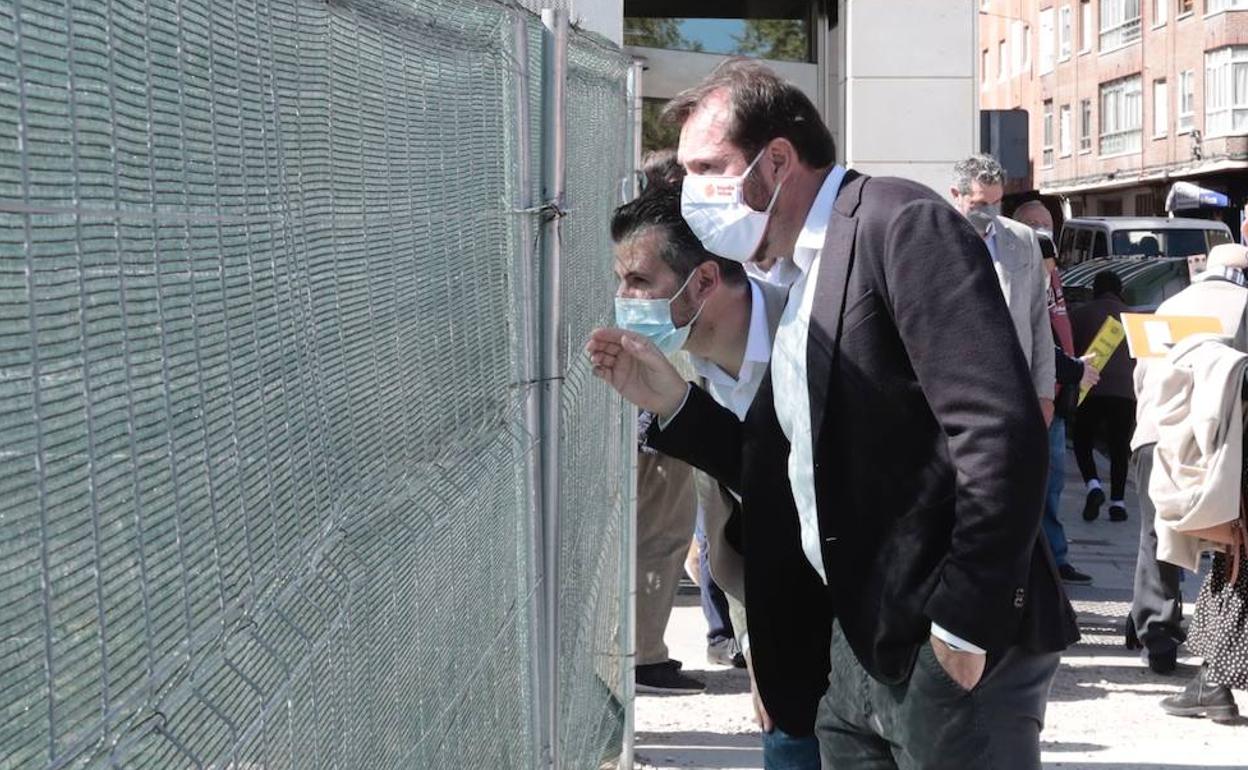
(554, 191)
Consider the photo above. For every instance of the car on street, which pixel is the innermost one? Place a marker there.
(1085, 238)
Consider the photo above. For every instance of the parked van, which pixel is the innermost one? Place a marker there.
(1085, 238)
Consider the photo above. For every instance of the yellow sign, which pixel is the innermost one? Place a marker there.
(1152, 336)
(1103, 346)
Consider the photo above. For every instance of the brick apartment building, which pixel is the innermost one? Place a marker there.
(1124, 97)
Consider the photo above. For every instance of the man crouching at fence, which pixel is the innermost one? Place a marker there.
(678, 295)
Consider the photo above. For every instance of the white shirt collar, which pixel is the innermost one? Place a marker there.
(814, 231)
(757, 344)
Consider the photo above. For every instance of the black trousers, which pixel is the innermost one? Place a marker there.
(1157, 604)
(930, 722)
(1117, 415)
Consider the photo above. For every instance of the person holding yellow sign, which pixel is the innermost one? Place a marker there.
(1111, 402)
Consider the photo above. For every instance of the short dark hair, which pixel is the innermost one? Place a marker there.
(764, 107)
(1106, 282)
(660, 167)
(658, 206)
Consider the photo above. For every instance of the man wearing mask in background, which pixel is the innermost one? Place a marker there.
(900, 414)
(1072, 374)
(979, 185)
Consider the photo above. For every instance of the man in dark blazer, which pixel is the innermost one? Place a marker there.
(900, 414)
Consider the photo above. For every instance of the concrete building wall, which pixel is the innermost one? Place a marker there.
(906, 83)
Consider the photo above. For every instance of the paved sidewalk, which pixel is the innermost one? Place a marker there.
(1103, 712)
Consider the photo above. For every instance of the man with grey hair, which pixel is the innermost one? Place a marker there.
(979, 185)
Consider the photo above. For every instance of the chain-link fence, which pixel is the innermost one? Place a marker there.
(267, 301)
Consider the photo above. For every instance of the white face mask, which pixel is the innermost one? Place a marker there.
(714, 207)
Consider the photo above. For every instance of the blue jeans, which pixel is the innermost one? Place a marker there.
(714, 602)
(1053, 530)
(782, 751)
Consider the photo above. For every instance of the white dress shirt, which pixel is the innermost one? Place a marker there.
(788, 367)
(737, 393)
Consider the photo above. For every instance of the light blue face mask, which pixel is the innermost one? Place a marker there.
(652, 319)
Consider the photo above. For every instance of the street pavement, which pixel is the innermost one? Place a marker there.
(1103, 712)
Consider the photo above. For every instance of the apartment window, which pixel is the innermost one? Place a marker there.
(1121, 116)
(1048, 35)
(1161, 109)
(1186, 6)
(1003, 69)
(1213, 6)
(1047, 156)
(1065, 33)
(1085, 26)
(1085, 125)
(1063, 131)
(1160, 12)
(1120, 23)
(1187, 101)
(1226, 91)
(983, 66)
(1020, 46)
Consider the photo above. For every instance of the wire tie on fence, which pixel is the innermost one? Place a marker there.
(547, 211)
(538, 381)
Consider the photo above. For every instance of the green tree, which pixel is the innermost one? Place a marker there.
(657, 33)
(655, 134)
(783, 39)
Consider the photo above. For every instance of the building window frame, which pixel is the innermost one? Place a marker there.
(1003, 60)
(1161, 107)
(985, 60)
(1047, 50)
(1064, 128)
(1226, 91)
(1085, 27)
(1186, 122)
(1161, 13)
(1118, 28)
(1184, 13)
(1065, 33)
(1085, 126)
(1046, 133)
(1122, 116)
(1214, 7)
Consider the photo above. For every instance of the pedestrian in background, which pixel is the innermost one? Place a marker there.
(1071, 374)
(978, 186)
(1157, 604)
(1110, 405)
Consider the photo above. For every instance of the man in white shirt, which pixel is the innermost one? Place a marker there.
(901, 415)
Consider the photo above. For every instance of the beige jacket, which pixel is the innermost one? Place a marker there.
(1197, 462)
(1025, 283)
(1205, 297)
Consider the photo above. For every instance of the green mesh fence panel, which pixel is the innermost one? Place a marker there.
(262, 467)
(594, 433)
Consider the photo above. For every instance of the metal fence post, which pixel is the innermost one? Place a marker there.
(554, 141)
(629, 632)
(528, 376)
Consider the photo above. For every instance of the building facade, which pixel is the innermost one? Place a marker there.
(1124, 97)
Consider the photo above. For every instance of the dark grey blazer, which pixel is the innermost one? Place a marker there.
(930, 460)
